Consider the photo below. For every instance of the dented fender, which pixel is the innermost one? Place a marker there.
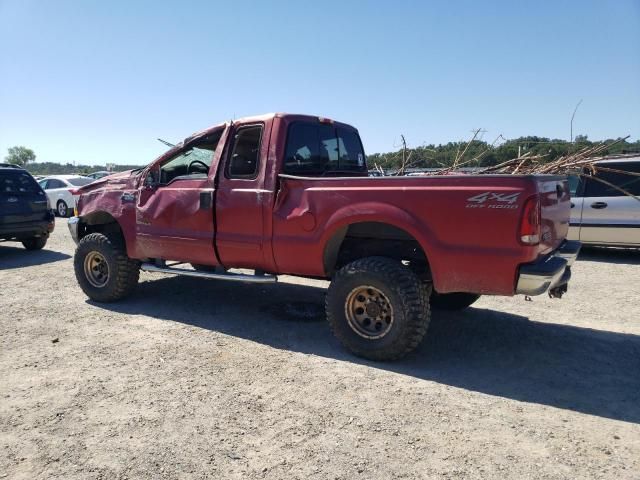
(112, 197)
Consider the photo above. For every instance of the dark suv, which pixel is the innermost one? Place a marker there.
(25, 214)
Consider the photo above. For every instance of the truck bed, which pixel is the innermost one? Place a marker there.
(467, 225)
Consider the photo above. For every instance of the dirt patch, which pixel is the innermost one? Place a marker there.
(203, 379)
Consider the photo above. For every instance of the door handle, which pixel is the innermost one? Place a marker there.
(599, 205)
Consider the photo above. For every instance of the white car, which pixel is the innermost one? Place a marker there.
(58, 189)
(602, 214)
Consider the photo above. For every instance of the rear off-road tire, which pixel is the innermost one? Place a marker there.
(378, 308)
(103, 269)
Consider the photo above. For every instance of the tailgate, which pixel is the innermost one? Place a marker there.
(555, 210)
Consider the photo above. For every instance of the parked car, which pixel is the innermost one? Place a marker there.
(25, 214)
(60, 188)
(290, 194)
(100, 174)
(601, 214)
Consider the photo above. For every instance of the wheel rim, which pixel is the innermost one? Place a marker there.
(369, 312)
(96, 269)
(62, 209)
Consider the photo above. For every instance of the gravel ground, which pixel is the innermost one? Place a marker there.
(203, 379)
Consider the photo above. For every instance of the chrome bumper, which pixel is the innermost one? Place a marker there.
(73, 228)
(548, 273)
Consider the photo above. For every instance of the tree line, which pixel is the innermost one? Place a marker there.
(480, 153)
(472, 153)
(26, 158)
(52, 168)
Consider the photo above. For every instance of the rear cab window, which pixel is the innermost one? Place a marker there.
(317, 149)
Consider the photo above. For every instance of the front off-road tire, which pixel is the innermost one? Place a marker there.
(103, 270)
(452, 301)
(378, 308)
(35, 243)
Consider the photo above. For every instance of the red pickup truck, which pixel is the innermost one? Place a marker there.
(290, 194)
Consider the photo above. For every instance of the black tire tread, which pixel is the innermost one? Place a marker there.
(126, 269)
(414, 298)
(35, 243)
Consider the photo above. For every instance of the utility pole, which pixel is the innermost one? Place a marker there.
(574, 114)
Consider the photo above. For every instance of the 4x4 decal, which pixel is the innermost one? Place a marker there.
(493, 200)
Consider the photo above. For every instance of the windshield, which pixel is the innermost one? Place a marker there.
(320, 149)
(80, 181)
(195, 160)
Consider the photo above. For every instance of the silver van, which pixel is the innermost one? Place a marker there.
(603, 215)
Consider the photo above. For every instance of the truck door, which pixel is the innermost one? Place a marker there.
(608, 215)
(174, 206)
(241, 198)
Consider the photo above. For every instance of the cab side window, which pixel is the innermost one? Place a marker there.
(195, 160)
(245, 153)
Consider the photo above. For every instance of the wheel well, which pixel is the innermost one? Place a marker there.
(370, 239)
(99, 222)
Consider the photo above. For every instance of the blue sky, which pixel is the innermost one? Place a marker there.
(95, 81)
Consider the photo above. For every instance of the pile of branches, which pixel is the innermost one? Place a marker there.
(565, 164)
(581, 163)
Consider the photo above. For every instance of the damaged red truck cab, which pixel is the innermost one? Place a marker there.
(290, 194)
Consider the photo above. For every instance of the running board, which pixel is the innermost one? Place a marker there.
(234, 277)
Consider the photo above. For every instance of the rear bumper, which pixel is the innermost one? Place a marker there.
(549, 272)
(24, 230)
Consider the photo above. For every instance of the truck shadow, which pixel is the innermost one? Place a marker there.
(579, 369)
(626, 256)
(18, 257)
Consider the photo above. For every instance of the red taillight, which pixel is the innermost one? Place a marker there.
(530, 223)
(74, 191)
